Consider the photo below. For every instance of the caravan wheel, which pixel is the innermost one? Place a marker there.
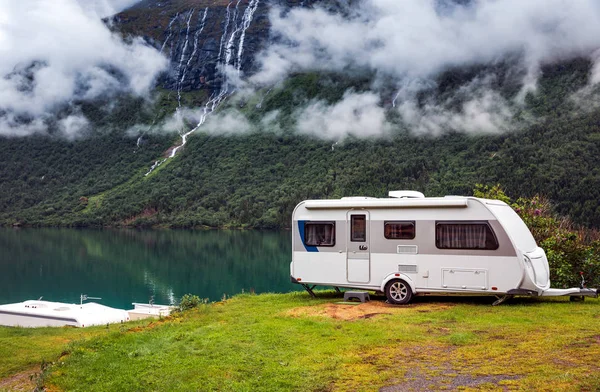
(398, 292)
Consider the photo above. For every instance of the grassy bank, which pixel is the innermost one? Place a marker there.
(291, 342)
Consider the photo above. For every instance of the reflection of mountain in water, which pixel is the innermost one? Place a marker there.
(124, 266)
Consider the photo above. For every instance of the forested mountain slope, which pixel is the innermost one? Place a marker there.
(256, 178)
(257, 149)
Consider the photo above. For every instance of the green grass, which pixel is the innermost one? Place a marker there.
(291, 342)
(24, 348)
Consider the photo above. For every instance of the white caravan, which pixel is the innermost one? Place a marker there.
(410, 245)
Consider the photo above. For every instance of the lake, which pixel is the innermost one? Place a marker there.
(125, 266)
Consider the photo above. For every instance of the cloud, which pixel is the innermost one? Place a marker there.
(11, 125)
(485, 113)
(73, 125)
(586, 98)
(419, 38)
(271, 122)
(356, 114)
(406, 44)
(55, 53)
(475, 108)
(595, 77)
(104, 8)
(184, 120)
(231, 122)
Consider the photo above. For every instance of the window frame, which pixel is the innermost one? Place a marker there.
(413, 223)
(319, 223)
(364, 217)
(474, 222)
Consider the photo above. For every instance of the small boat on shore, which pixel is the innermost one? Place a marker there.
(38, 313)
(141, 311)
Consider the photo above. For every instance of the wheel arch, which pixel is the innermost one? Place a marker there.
(398, 275)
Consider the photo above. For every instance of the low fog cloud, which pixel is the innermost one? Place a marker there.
(418, 38)
(227, 123)
(407, 43)
(57, 52)
(104, 8)
(484, 112)
(184, 120)
(356, 114)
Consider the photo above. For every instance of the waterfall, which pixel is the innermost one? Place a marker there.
(212, 102)
(225, 27)
(187, 36)
(170, 30)
(196, 37)
(156, 164)
(262, 99)
(395, 98)
(228, 43)
(231, 41)
(246, 20)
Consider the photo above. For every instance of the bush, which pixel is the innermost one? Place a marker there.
(571, 249)
(189, 301)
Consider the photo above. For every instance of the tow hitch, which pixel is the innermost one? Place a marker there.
(575, 293)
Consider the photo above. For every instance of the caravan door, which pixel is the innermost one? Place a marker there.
(358, 262)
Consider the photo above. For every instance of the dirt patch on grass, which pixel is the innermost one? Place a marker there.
(21, 381)
(416, 381)
(432, 368)
(345, 311)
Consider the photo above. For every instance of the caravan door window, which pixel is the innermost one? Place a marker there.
(358, 228)
(465, 235)
(399, 230)
(319, 233)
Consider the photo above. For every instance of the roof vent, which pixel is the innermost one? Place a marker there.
(406, 194)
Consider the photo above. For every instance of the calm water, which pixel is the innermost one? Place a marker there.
(125, 266)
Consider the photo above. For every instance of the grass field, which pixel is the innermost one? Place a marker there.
(290, 342)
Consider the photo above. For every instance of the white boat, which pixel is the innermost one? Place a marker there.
(37, 313)
(140, 311)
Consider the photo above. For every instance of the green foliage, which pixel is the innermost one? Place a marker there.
(494, 192)
(189, 301)
(571, 250)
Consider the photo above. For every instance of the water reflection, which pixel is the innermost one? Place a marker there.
(124, 266)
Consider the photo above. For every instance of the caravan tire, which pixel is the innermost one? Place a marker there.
(398, 292)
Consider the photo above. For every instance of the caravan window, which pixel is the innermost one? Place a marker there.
(358, 228)
(319, 233)
(399, 230)
(465, 235)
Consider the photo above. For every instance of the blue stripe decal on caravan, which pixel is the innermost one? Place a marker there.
(301, 231)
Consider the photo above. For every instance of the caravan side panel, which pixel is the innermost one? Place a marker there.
(430, 268)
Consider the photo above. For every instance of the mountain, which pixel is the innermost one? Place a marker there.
(335, 128)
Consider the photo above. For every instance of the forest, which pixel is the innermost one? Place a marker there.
(255, 178)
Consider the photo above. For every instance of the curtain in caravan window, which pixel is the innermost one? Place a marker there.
(310, 234)
(319, 233)
(465, 236)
